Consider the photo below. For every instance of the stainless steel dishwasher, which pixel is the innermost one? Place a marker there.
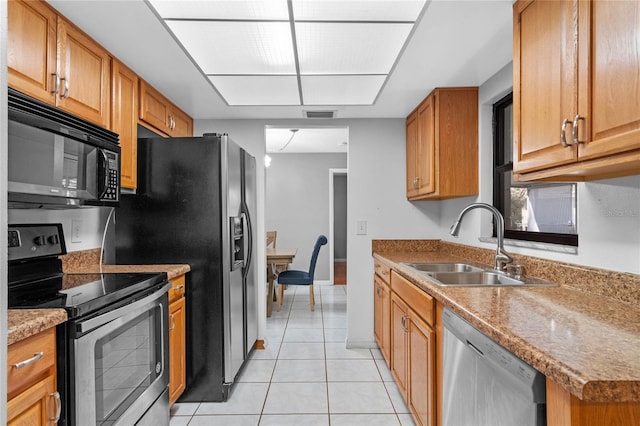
(486, 385)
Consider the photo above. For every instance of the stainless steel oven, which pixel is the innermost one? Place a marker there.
(113, 350)
(120, 362)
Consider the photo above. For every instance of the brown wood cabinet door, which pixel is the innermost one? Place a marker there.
(422, 378)
(154, 109)
(412, 155)
(35, 406)
(609, 67)
(545, 83)
(177, 355)
(31, 49)
(181, 124)
(399, 343)
(382, 317)
(426, 148)
(124, 120)
(85, 69)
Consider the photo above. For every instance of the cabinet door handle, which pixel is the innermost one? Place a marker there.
(415, 182)
(26, 362)
(65, 95)
(563, 133)
(56, 83)
(173, 323)
(574, 131)
(56, 397)
(403, 322)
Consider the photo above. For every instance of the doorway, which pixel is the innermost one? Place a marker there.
(338, 225)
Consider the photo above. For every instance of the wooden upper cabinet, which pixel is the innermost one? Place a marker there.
(85, 74)
(576, 90)
(610, 74)
(159, 113)
(412, 157)
(31, 49)
(52, 60)
(545, 83)
(124, 120)
(442, 145)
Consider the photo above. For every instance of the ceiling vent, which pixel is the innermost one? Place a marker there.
(319, 114)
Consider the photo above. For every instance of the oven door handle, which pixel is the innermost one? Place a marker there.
(90, 324)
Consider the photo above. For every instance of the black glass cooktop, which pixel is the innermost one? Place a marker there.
(81, 294)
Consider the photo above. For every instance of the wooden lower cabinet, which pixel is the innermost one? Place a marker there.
(399, 343)
(382, 325)
(413, 348)
(177, 335)
(421, 363)
(31, 388)
(34, 406)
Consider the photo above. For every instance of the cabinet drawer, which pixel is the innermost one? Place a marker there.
(382, 270)
(45, 343)
(177, 288)
(417, 299)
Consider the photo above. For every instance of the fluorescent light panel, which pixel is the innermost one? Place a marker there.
(345, 48)
(258, 89)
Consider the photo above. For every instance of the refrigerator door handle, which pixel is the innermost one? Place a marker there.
(248, 232)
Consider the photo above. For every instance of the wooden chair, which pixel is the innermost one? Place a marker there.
(293, 277)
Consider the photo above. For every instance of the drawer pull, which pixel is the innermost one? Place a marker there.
(178, 287)
(26, 362)
(56, 397)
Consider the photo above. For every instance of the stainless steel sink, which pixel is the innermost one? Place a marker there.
(451, 274)
(444, 267)
(482, 278)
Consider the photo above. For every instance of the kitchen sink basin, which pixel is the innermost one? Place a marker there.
(444, 267)
(451, 274)
(482, 278)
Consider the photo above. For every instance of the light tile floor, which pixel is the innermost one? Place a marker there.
(306, 376)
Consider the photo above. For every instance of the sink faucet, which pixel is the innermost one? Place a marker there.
(502, 257)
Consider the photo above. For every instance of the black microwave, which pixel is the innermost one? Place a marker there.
(57, 159)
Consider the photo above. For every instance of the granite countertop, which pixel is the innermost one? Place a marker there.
(171, 270)
(587, 343)
(24, 323)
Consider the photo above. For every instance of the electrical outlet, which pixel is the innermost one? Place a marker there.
(361, 227)
(76, 228)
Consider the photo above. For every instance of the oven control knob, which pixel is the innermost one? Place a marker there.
(158, 368)
(53, 239)
(39, 240)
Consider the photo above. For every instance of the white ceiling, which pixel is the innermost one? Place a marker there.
(293, 52)
(455, 43)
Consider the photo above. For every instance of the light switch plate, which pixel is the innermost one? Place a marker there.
(361, 227)
(76, 228)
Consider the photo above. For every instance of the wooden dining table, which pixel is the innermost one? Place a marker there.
(276, 256)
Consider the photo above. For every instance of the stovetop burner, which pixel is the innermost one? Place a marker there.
(36, 279)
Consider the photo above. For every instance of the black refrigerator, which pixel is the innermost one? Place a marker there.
(195, 204)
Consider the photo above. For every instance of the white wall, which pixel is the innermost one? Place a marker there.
(297, 204)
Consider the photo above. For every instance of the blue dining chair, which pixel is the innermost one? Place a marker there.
(294, 277)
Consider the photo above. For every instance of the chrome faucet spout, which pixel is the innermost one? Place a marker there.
(502, 258)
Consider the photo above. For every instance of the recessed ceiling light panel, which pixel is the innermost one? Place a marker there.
(349, 48)
(357, 10)
(257, 90)
(223, 9)
(237, 47)
(341, 90)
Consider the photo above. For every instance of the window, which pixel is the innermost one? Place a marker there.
(540, 211)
